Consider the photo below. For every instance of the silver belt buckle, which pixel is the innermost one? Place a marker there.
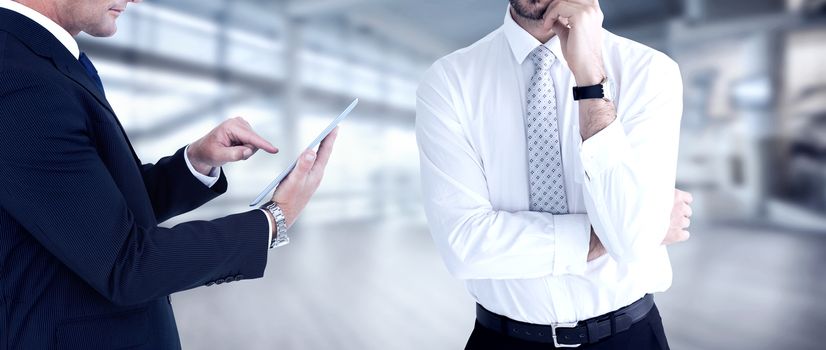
(563, 325)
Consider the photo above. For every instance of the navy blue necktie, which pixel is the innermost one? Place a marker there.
(91, 71)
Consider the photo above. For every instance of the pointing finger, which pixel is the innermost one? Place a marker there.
(249, 137)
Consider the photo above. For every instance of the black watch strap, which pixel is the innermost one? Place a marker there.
(586, 92)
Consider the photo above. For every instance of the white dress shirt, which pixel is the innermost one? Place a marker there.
(71, 44)
(532, 266)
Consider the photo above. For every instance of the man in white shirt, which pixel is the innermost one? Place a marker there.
(548, 156)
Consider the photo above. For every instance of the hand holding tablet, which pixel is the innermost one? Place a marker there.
(266, 191)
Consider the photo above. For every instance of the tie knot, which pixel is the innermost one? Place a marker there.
(542, 57)
(87, 63)
(90, 70)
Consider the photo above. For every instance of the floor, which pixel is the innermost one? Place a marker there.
(379, 284)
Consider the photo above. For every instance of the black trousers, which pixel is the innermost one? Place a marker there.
(646, 334)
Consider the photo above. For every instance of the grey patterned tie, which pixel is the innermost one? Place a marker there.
(547, 185)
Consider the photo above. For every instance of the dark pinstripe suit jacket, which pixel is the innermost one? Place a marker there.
(83, 263)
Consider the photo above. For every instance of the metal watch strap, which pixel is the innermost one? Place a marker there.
(280, 237)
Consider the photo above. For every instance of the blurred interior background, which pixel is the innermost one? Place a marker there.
(362, 272)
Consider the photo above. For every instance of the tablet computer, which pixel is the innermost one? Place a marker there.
(264, 193)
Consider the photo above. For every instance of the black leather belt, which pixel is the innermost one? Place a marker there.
(569, 334)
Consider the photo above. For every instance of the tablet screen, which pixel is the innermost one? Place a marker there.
(313, 144)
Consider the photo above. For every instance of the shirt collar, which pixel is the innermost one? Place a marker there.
(61, 34)
(523, 43)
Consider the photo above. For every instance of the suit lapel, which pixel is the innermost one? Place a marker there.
(44, 44)
(75, 71)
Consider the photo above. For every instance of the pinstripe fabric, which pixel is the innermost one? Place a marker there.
(4, 322)
(83, 263)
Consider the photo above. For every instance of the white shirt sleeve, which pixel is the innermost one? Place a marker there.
(476, 240)
(630, 167)
(208, 181)
(269, 221)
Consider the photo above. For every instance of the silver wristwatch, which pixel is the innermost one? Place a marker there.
(279, 237)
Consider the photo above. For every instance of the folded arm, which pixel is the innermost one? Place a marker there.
(630, 164)
(476, 240)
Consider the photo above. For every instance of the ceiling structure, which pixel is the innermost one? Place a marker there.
(422, 30)
(436, 27)
(432, 27)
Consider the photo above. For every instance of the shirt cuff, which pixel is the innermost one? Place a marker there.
(604, 150)
(573, 238)
(269, 228)
(208, 181)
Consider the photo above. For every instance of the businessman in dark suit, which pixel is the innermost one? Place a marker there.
(83, 262)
